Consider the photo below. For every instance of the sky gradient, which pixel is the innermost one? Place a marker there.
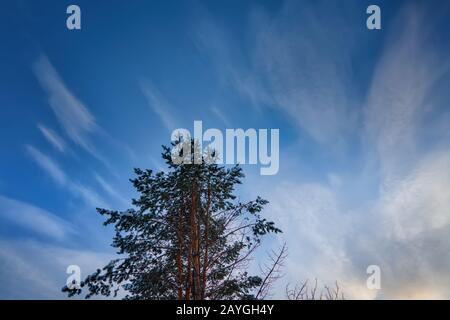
(364, 123)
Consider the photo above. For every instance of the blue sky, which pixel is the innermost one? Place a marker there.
(363, 117)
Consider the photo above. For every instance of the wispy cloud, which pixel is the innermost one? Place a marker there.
(88, 194)
(399, 97)
(34, 219)
(411, 235)
(289, 64)
(52, 137)
(402, 223)
(221, 116)
(404, 231)
(158, 104)
(111, 191)
(316, 228)
(36, 270)
(47, 164)
(71, 113)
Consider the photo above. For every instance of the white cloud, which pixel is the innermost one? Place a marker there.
(316, 230)
(158, 104)
(213, 40)
(414, 195)
(398, 100)
(221, 116)
(420, 202)
(35, 270)
(34, 219)
(47, 164)
(53, 138)
(111, 191)
(79, 190)
(334, 180)
(404, 231)
(72, 114)
(402, 224)
(87, 194)
(289, 64)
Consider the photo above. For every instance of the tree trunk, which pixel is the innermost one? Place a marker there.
(195, 246)
(179, 255)
(205, 258)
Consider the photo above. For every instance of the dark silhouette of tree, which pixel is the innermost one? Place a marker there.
(186, 237)
(305, 291)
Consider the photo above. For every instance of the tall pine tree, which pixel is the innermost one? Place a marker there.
(186, 237)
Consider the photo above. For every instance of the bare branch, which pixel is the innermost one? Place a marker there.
(303, 292)
(272, 273)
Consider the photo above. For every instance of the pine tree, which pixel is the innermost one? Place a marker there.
(186, 237)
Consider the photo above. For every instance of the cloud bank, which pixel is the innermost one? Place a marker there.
(392, 208)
